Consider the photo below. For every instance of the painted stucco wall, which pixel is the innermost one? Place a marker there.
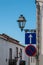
(4, 52)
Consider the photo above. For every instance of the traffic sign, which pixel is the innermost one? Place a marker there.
(30, 38)
(30, 50)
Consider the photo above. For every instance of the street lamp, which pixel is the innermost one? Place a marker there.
(21, 21)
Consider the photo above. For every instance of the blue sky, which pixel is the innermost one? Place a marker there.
(10, 10)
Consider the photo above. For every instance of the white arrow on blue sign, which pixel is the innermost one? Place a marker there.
(30, 38)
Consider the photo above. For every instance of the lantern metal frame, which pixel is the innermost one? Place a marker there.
(21, 21)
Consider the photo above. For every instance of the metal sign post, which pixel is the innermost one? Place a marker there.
(30, 41)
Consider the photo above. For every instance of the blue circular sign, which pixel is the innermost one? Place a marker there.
(30, 50)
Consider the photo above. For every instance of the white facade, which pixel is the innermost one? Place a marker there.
(5, 45)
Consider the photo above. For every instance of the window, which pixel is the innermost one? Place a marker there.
(16, 51)
(10, 53)
(20, 53)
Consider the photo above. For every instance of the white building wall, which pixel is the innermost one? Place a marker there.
(24, 56)
(4, 52)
